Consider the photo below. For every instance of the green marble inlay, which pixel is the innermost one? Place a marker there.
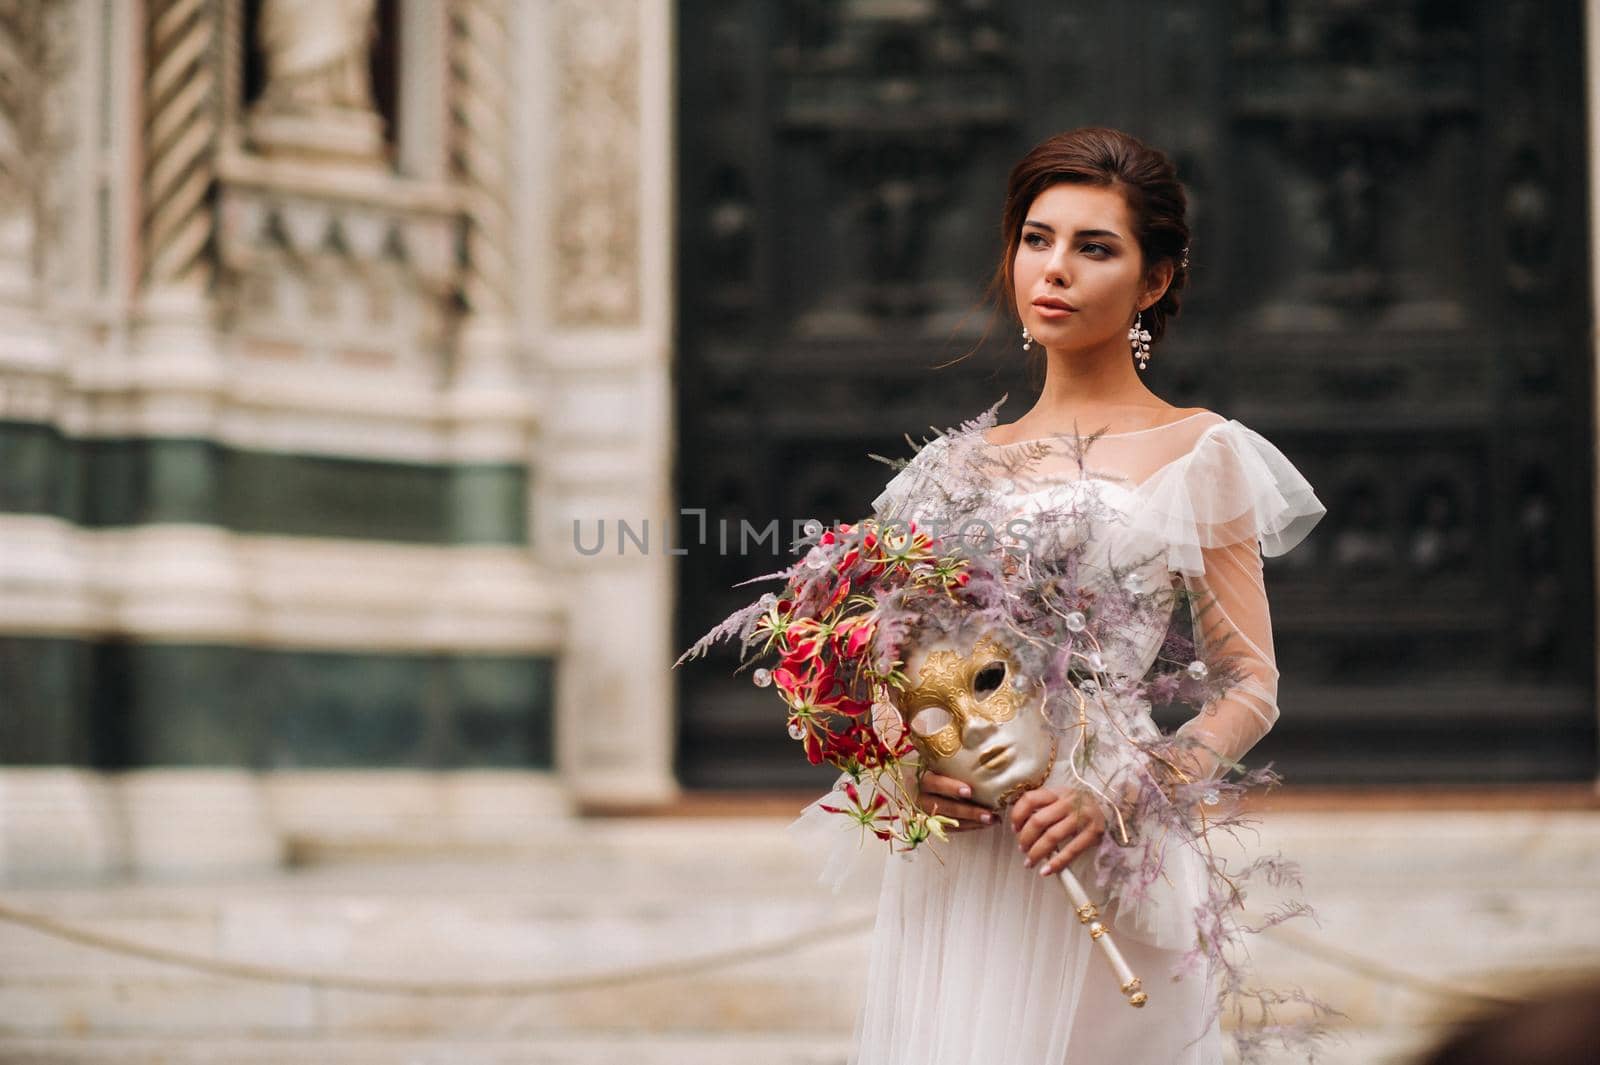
(117, 704)
(44, 696)
(117, 482)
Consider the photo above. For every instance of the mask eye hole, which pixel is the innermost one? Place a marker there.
(930, 720)
(989, 679)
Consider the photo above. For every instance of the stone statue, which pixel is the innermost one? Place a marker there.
(316, 54)
(317, 104)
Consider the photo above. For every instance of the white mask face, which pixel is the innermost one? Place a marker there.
(974, 716)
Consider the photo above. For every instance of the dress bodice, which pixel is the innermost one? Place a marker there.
(1194, 504)
(1054, 497)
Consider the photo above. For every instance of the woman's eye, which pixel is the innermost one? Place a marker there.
(1098, 247)
(930, 720)
(1033, 240)
(989, 678)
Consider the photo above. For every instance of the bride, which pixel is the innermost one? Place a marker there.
(977, 958)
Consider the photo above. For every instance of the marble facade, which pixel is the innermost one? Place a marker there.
(303, 381)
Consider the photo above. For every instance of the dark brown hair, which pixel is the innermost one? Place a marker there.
(1095, 155)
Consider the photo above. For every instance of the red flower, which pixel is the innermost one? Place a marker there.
(813, 748)
(857, 633)
(808, 688)
(840, 593)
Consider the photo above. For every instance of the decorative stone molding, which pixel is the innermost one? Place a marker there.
(59, 823)
(165, 582)
(181, 123)
(597, 211)
(336, 269)
(480, 135)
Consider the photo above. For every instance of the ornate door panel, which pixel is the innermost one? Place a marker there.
(1390, 283)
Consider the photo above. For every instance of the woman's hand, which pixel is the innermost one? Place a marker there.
(939, 794)
(1055, 827)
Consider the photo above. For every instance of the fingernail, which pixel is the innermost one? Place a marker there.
(988, 819)
(1044, 870)
(966, 792)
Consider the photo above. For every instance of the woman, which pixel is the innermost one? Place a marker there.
(977, 956)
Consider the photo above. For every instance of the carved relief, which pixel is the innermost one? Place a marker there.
(34, 41)
(328, 255)
(1349, 105)
(365, 283)
(898, 108)
(597, 191)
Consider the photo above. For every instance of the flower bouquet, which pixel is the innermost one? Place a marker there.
(892, 644)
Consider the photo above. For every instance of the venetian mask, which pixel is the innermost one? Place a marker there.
(973, 715)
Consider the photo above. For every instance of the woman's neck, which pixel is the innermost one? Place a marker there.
(1078, 384)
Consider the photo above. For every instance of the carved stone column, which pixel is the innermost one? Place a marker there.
(480, 133)
(606, 450)
(35, 51)
(57, 819)
(1591, 23)
(171, 823)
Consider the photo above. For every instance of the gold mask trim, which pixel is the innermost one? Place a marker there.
(946, 681)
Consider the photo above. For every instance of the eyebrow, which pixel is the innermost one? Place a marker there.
(1080, 233)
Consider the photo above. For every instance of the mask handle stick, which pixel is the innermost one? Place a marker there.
(1089, 914)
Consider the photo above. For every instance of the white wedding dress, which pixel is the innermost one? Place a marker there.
(976, 960)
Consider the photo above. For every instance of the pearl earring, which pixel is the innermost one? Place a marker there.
(1027, 338)
(1140, 340)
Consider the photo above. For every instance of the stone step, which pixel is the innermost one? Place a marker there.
(562, 1050)
(703, 1049)
(1409, 904)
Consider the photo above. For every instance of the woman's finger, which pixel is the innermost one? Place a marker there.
(1040, 822)
(1089, 837)
(962, 811)
(939, 784)
(1052, 837)
(1029, 804)
(1047, 832)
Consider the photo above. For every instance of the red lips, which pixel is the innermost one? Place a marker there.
(1051, 301)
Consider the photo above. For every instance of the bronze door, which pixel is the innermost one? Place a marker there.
(1390, 283)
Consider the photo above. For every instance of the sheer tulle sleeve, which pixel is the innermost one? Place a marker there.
(846, 853)
(1232, 500)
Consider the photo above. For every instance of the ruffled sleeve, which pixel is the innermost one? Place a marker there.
(1233, 486)
(1217, 511)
